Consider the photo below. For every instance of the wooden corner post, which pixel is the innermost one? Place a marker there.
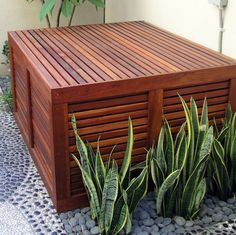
(155, 106)
(232, 94)
(60, 154)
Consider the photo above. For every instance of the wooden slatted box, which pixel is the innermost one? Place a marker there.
(104, 74)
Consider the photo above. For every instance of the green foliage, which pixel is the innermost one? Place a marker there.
(113, 192)
(6, 97)
(6, 53)
(178, 167)
(223, 158)
(67, 8)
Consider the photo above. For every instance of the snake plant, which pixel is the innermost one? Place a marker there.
(223, 158)
(113, 193)
(178, 166)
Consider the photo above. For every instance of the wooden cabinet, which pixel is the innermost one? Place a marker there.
(104, 74)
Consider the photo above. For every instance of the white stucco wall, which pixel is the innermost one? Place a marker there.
(194, 19)
(19, 14)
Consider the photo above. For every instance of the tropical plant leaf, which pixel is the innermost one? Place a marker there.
(140, 190)
(168, 182)
(97, 3)
(128, 153)
(170, 150)
(194, 118)
(109, 195)
(203, 127)
(187, 202)
(67, 7)
(46, 8)
(122, 219)
(82, 149)
(160, 156)
(221, 174)
(200, 194)
(94, 200)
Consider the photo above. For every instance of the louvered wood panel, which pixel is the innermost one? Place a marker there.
(107, 119)
(217, 95)
(21, 97)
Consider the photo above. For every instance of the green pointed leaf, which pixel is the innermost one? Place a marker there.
(221, 173)
(99, 169)
(46, 8)
(138, 166)
(228, 114)
(223, 134)
(200, 194)
(109, 195)
(140, 191)
(97, 3)
(203, 127)
(179, 136)
(81, 147)
(170, 151)
(187, 202)
(169, 181)
(160, 156)
(128, 153)
(181, 154)
(122, 219)
(67, 8)
(207, 144)
(194, 118)
(94, 200)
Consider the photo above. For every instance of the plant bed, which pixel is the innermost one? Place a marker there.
(216, 217)
(104, 74)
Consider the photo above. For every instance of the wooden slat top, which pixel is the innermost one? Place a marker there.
(79, 55)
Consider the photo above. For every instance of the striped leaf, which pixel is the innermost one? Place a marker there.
(140, 190)
(194, 118)
(221, 173)
(203, 127)
(160, 156)
(94, 200)
(124, 213)
(168, 182)
(81, 147)
(127, 158)
(109, 195)
(170, 151)
(189, 189)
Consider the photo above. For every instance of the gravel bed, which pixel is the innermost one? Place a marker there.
(21, 187)
(216, 217)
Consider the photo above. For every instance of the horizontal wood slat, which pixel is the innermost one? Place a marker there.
(217, 95)
(107, 119)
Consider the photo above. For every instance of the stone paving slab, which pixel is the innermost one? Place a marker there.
(12, 221)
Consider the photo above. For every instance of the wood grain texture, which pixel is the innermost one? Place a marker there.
(155, 114)
(104, 74)
(232, 94)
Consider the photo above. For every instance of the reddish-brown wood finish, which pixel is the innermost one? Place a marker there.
(104, 74)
